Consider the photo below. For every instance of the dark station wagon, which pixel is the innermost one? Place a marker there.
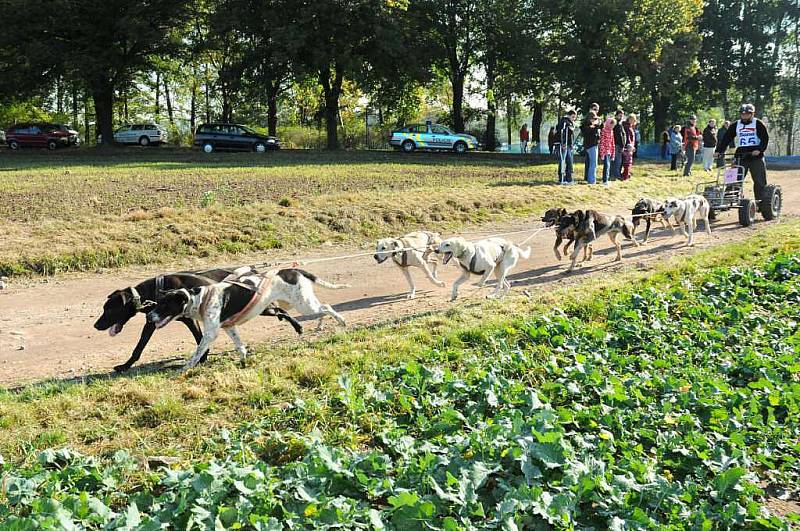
(232, 137)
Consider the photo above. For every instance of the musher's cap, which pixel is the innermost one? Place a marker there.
(747, 107)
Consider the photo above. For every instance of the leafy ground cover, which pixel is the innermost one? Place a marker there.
(671, 404)
(84, 209)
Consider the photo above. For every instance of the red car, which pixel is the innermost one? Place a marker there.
(51, 136)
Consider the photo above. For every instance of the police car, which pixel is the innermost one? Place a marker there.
(431, 136)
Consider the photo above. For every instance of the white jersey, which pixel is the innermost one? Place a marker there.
(747, 134)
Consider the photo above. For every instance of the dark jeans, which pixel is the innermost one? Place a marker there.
(564, 164)
(616, 166)
(687, 169)
(758, 172)
(607, 162)
(674, 164)
(664, 151)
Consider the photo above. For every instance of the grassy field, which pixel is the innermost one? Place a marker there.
(658, 398)
(87, 209)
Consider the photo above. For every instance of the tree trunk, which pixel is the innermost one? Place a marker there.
(193, 104)
(86, 118)
(125, 115)
(491, 105)
(227, 110)
(75, 105)
(60, 95)
(509, 117)
(272, 110)
(158, 96)
(660, 109)
(536, 122)
(169, 102)
(331, 88)
(457, 81)
(208, 96)
(103, 96)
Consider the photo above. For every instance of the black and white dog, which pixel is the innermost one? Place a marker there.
(226, 304)
(123, 304)
(687, 212)
(649, 210)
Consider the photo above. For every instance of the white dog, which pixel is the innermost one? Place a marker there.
(420, 248)
(686, 212)
(482, 258)
(224, 305)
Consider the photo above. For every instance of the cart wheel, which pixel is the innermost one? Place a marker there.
(771, 202)
(747, 212)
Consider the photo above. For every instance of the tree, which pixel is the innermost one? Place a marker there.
(101, 42)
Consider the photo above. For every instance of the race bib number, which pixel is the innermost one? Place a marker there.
(747, 136)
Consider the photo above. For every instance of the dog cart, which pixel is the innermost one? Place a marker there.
(728, 193)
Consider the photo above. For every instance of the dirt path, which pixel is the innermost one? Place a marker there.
(46, 326)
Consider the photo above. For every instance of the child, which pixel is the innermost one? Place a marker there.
(607, 148)
(627, 162)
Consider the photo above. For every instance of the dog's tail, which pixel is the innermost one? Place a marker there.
(319, 282)
(524, 253)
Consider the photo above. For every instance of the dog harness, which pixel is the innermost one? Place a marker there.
(258, 293)
(474, 261)
(403, 255)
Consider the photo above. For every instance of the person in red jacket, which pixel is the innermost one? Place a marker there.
(752, 140)
(691, 143)
(524, 136)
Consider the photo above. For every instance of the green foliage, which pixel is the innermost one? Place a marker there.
(675, 411)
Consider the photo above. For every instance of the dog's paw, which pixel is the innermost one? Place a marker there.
(440, 283)
(410, 296)
(121, 368)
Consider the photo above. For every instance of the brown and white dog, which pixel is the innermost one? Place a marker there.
(650, 211)
(588, 225)
(552, 218)
(226, 304)
(686, 212)
(415, 249)
(482, 258)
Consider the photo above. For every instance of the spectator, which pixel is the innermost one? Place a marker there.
(524, 136)
(721, 134)
(551, 139)
(637, 137)
(675, 145)
(709, 144)
(606, 148)
(596, 108)
(565, 142)
(627, 162)
(664, 144)
(620, 139)
(630, 132)
(691, 143)
(590, 129)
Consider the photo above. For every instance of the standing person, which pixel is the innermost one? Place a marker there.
(620, 139)
(752, 140)
(590, 130)
(630, 133)
(595, 107)
(565, 142)
(606, 148)
(721, 134)
(709, 144)
(664, 144)
(627, 162)
(691, 143)
(551, 139)
(675, 145)
(524, 136)
(637, 137)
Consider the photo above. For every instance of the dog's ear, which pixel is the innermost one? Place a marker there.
(196, 290)
(126, 296)
(562, 212)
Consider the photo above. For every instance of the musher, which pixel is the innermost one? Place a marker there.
(751, 143)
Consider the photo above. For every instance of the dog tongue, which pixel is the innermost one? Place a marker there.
(114, 330)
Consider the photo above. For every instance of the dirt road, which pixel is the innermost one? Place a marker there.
(46, 326)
